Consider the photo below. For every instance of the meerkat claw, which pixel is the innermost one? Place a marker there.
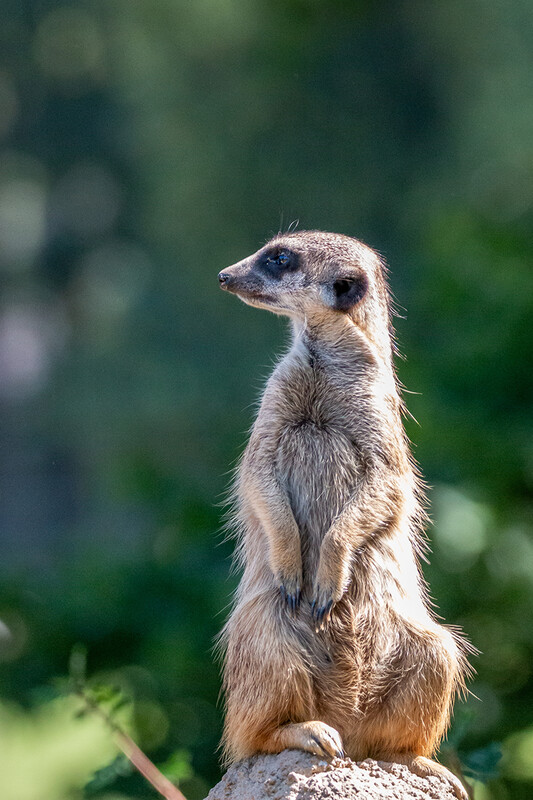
(326, 740)
(291, 598)
(320, 747)
(321, 614)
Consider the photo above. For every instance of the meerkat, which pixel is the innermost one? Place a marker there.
(331, 646)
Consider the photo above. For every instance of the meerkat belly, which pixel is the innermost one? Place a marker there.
(319, 467)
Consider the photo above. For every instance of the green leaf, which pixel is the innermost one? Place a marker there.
(178, 767)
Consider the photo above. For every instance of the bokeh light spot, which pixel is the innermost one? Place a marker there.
(13, 636)
(22, 222)
(461, 526)
(86, 201)
(30, 336)
(518, 755)
(68, 45)
(512, 556)
(8, 104)
(112, 278)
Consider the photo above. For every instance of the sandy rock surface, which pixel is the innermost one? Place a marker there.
(295, 775)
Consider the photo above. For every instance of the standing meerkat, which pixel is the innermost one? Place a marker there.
(331, 646)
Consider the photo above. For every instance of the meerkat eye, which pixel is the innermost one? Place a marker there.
(280, 259)
(276, 262)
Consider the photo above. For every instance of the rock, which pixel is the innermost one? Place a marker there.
(295, 775)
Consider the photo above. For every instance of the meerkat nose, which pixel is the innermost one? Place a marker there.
(223, 278)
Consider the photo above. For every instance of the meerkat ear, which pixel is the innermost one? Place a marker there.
(348, 291)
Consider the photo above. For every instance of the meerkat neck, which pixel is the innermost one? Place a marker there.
(339, 337)
(328, 328)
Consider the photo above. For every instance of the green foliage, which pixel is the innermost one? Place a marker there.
(50, 752)
(483, 764)
(177, 768)
(144, 146)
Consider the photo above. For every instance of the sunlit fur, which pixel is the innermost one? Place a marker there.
(328, 501)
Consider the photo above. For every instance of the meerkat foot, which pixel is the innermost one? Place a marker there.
(424, 767)
(314, 737)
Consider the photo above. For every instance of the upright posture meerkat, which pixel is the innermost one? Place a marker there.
(331, 646)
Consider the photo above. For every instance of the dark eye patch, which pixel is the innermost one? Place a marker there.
(349, 291)
(278, 260)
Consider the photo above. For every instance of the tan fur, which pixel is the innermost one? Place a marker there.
(331, 645)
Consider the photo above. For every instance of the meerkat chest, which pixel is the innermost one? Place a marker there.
(319, 459)
(319, 468)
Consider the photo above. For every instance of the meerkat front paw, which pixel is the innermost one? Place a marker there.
(290, 587)
(327, 591)
(322, 605)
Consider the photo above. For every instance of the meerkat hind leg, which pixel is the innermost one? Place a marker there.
(425, 767)
(314, 737)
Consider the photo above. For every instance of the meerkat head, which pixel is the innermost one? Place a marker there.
(313, 275)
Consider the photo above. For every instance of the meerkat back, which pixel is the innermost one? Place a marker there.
(331, 646)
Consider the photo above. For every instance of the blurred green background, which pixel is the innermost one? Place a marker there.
(143, 147)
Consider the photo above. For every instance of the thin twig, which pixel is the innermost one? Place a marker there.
(133, 752)
(454, 762)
